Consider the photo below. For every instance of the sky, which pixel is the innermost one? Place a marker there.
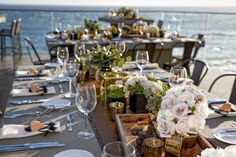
(153, 3)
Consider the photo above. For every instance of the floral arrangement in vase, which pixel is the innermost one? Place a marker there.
(124, 12)
(104, 57)
(183, 111)
(219, 152)
(152, 89)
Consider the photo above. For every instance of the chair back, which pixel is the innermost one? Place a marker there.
(156, 56)
(30, 46)
(201, 42)
(137, 47)
(18, 26)
(199, 71)
(13, 27)
(232, 97)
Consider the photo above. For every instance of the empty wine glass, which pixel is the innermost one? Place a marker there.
(70, 73)
(79, 51)
(178, 76)
(62, 57)
(118, 149)
(86, 101)
(120, 47)
(120, 28)
(142, 59)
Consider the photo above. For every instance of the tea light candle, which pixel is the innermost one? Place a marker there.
(153, 147)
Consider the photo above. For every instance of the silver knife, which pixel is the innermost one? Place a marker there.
(28, 101)
(29, 146)
(29, 79)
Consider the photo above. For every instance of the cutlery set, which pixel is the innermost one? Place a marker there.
(27, 101)
(29, 146)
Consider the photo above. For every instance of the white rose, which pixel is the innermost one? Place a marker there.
(146, 84)
(168, 102)
(182, 126)
(156, 87)
(230, 150)
(202, 109)
(180, 110)
(209, 152)
(166, 127)
(196, 123)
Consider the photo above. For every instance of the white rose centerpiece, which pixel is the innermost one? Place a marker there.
(183, 111)
(219, 152)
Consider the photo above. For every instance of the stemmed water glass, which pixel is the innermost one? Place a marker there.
(86, 101)
(178, 76)
(62, 58)
(142, 58)
(70, 73)
(79, 51)
(120, 47)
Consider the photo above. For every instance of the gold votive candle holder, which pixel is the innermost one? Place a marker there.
(153, 147)
(116, 108)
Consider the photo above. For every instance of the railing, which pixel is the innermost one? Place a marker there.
(219, 29)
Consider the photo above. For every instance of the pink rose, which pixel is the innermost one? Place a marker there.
(180, 110)
(166, 127)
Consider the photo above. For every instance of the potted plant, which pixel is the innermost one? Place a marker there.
(93, 27)
(142, 91)
(116, 93)
(102, 58)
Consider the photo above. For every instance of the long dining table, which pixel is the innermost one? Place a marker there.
(100, 122)
(152, 45)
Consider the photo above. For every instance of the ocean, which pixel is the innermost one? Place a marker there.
(218, 28)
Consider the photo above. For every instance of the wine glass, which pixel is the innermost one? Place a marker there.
(142, 59)
(79, 51)
(120, 47)
(178, 76)
(118, 149)
(86, 101)
(120, 28)
(62, 57)
(70, 73)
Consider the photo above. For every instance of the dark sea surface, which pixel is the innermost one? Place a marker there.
(219, 28)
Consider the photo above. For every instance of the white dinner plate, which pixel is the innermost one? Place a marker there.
(225, 135)
(56, 103)
(74, 153)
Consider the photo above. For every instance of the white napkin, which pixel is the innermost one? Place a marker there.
(18, 131)
(25, 92)
(132, 65)
(25, 73)
(15, 131)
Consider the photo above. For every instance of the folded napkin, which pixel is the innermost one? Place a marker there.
(18, 131)
(26, 92)
(15, 131)
(133, 65)
(22, 73)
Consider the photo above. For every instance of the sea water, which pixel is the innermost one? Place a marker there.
(219, 29)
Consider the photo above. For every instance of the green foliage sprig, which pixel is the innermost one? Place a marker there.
(104, 56)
